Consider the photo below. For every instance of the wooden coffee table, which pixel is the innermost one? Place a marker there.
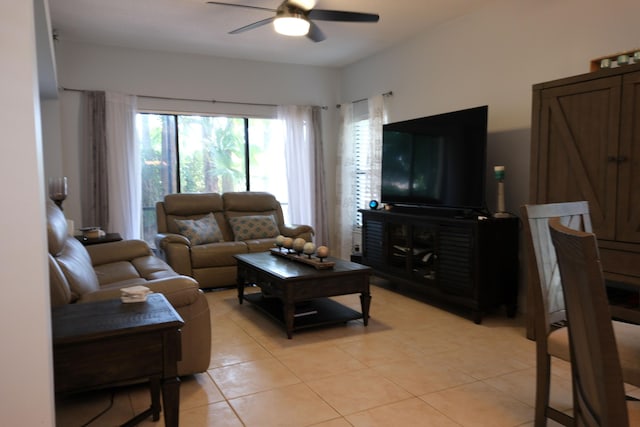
(297, 295)
(103, 343)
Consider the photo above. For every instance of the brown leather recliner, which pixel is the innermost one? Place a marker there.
(79, 274)
(212, 264)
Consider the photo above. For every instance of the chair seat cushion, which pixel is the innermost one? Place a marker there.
(558, 344)
(628, 342)
(633, 409)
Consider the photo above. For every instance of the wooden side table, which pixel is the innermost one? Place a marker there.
(104, 343)
(109, 237)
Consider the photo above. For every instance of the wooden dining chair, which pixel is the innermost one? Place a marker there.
(598, 388)
(547, 304)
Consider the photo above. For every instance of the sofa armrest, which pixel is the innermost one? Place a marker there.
(294, 231)
(180, 291)
(175, 250)
(164, 239)
(124, 250)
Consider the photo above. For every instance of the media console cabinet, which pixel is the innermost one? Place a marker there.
(468, 262)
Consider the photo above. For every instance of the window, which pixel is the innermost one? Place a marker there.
(197, 154)
(362, 147)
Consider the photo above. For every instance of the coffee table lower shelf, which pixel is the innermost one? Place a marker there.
(309, 314)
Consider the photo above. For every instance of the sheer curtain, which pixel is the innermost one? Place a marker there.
(124, 169)
(346, 181)
(111, 187)
(303, 142)
(377, 117)
(321, 219)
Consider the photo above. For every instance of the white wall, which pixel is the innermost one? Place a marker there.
(493, 57)
(26, 390)
(173, 75)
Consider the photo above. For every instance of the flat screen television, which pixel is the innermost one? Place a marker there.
(436, 161)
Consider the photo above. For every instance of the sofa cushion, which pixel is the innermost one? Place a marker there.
(253, 227)
(260, 245)
(185, 204)
(59, 289)
(116, 272)
(75, 263)
(216, 254)
(57, 232)
(249, 201)
(152, 268)
(200, 231)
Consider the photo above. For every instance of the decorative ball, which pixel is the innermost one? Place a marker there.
(298, 244)
(280, 240)
(322, 251)
(288, 242)
(309, 248)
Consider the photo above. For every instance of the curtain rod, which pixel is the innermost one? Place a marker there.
(390, 93)
(213, 101)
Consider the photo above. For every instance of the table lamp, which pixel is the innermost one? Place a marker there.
(58, 190)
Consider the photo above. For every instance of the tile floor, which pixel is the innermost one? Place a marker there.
(414, 365)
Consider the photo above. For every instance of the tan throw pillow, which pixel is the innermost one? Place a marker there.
(253, 227)
(200, 231)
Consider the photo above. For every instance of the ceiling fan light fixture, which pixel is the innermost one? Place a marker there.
(294, 24)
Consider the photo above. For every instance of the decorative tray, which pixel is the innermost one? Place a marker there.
(317, 263)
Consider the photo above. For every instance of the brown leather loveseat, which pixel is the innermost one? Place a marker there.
(80, 274)
(244, 222)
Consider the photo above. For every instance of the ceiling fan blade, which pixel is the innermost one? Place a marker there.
(241, 5)
(252, 26)
(315, 33)
(343, 16)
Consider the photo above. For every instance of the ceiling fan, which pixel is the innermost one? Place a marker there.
(292, 18)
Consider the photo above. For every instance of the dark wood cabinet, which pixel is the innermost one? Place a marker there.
(471, 263)
(586, 146)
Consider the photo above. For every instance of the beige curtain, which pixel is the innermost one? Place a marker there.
(305, 168)
(110, 190)
(320, 190)
(94, 187)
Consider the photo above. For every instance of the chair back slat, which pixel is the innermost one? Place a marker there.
(596, 370)
(546, 289)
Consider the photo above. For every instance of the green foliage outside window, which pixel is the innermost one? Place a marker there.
(196, 154)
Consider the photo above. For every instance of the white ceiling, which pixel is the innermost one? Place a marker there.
(193, 26)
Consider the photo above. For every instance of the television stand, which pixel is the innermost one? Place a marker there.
(467, 262)
(436, 211)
